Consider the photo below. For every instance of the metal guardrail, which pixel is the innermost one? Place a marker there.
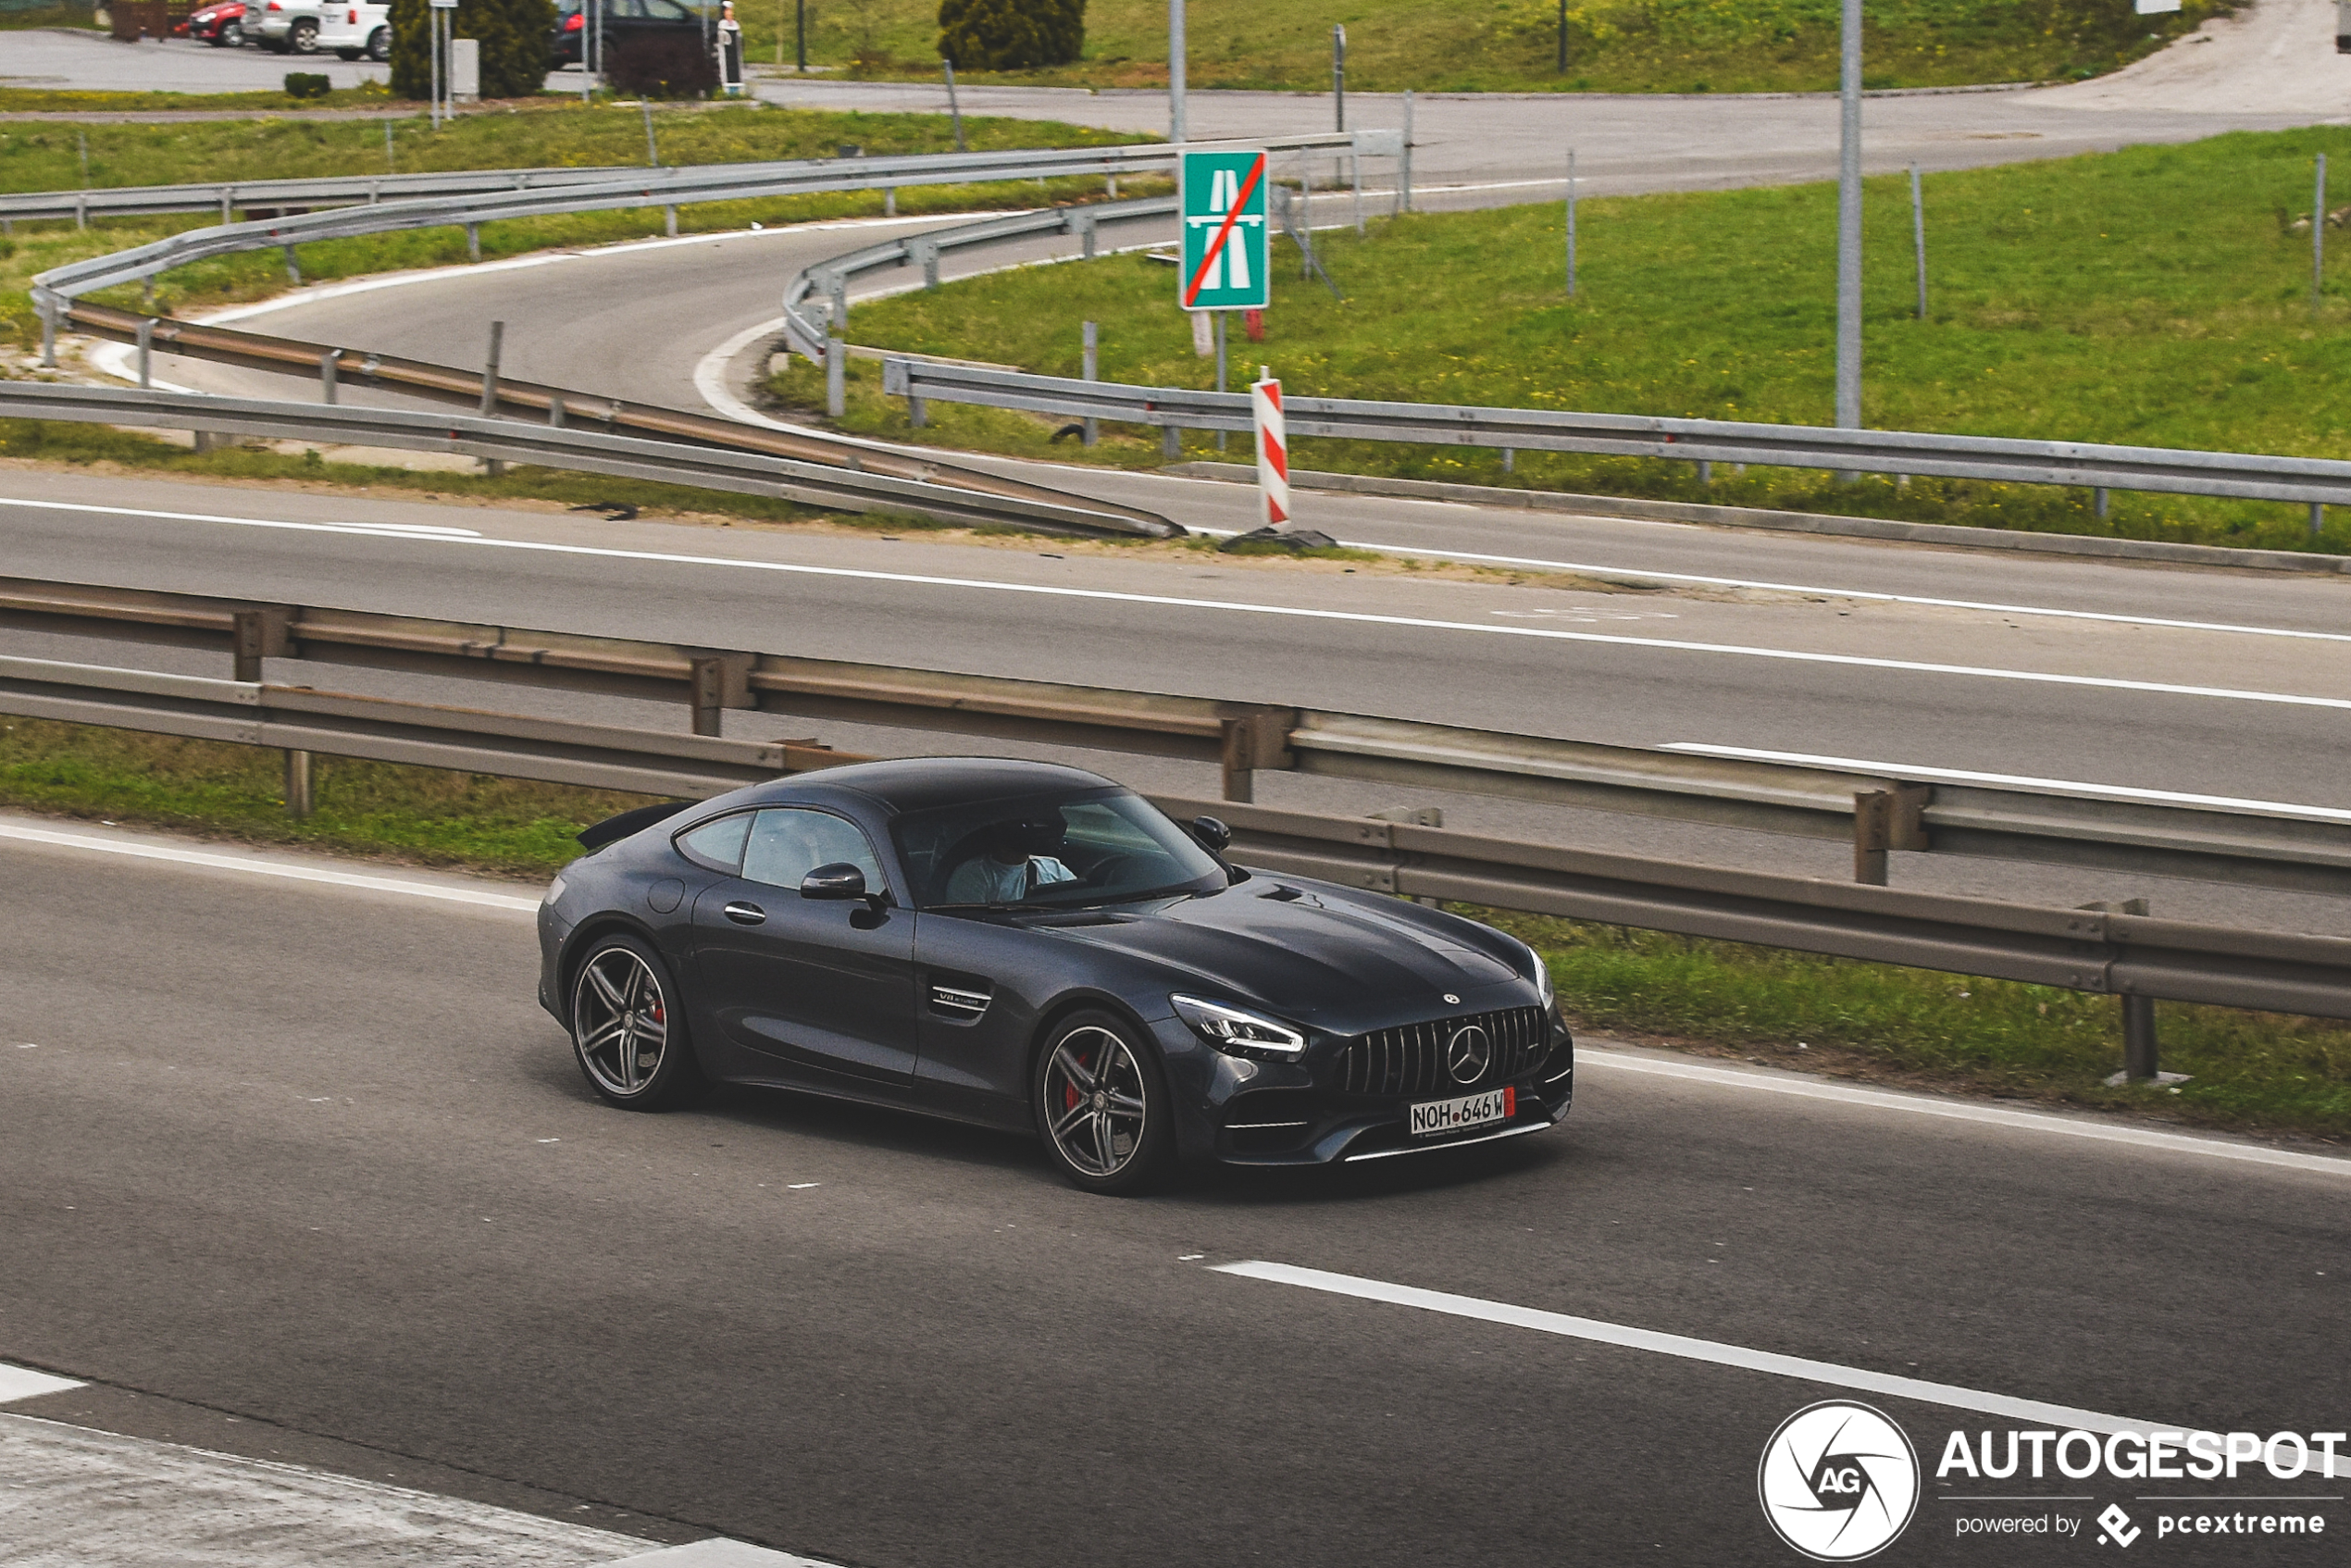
(1879, 815)
(336, 369)
(2133, 956)
(2316, 481)
(669, 188)
(231, 197)
(840, 484)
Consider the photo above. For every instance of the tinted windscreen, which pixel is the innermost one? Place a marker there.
(1099, 847)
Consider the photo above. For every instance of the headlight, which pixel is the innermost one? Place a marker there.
(1240, 1033)
(1542, 977)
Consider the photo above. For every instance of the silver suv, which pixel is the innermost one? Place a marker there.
(290, 27)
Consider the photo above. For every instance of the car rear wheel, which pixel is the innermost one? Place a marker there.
(380, 45)
(1103, 1106)
(628, 1029)
(230, 36)
(303, 37)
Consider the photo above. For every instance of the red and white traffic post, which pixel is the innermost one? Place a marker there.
(1273, 449)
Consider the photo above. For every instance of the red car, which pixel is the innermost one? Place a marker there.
(221, 25)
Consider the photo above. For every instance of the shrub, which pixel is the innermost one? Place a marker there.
(660, 65)
(513, 34)
(307, 84)
(1010, 34)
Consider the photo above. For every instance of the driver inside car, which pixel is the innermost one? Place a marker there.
(1020, 857)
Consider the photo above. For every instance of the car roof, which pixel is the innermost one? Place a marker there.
(913, 784)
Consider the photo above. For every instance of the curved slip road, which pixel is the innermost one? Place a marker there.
(314, 1160)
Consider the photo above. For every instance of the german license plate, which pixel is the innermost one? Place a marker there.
(1433, 1116)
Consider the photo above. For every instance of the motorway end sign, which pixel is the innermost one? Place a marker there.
(1227, 246)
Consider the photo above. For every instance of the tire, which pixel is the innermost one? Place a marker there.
(231, 36)
(302, 38)
(1112, 1133)
(624, 1009)
(380, 45)
(349, 54)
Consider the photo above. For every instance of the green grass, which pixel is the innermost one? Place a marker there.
(14, 17)
(2249, 1070)
(1490, 46)
(2252, 1071)
(508, 826)
(41, 156)
(2156, 296)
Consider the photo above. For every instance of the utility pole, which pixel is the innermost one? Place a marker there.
(1176, 132)
(1848, 226)
(801, 33)
(1562, 65)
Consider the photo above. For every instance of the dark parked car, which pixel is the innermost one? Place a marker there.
(1038, 949)
(223, 26)
(620, 21)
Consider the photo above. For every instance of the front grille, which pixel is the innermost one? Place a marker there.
(1410, 1059)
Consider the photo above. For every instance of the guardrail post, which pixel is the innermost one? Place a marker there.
(2141, 1055)
(1171, 439)
(490, 370)
(720, 681)
(1239, 777)
(327, 368)
(669, 221)
(838, 287)
(298, 794)
(473, 242)
(1092, 427)
(890, 201)
(836, 375)
(930, 264)
(1885, 820)
(263, 632)
(146, 349)
(225, 202)
(2098, 504)
(294, 266)
(82, 212)
(48, 331)
(1085, 226)
(2318, 517)
(555, 411)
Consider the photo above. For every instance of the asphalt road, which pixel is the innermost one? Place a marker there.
(309, 1157)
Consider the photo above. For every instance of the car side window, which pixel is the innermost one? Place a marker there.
(719, 844)
(669, 11)
(788, 842)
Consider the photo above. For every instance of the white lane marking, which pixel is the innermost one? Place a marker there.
(2036, 1412)
(1647, 575)
(1235, 606)
(23, 1383)
(1961, 1111)
(718, 1552)
(267, 868)
(1964, 776)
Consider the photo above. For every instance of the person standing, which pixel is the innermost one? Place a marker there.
(730, 50)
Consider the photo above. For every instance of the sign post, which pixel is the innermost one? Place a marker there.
(443, 30)
(1226, 246)
(1273, 449)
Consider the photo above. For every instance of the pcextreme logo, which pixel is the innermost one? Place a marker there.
(1838, 1481)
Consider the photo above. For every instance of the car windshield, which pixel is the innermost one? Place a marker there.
(1099, 846)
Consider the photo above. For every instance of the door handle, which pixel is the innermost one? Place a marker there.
(746, 913)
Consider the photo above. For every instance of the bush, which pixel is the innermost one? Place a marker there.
(307, 84)
(513, 34)
(1010, 34)
(660, 65)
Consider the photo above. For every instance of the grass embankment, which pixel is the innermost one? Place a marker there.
(1512, 45)
(36, 156)
(2156, 296)
(1870, 1021)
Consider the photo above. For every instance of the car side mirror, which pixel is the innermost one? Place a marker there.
(839, 881)
(1212, 834)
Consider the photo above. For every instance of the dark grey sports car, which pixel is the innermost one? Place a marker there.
(1038, 949)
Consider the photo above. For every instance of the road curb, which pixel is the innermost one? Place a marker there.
(2091, 545)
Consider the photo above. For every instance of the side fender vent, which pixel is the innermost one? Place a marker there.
(960, 999)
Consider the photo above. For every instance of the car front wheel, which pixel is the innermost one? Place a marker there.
(1102, 1105)
(628, 1029)
(303, 37)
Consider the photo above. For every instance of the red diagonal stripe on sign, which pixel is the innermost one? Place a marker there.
(1216, 246)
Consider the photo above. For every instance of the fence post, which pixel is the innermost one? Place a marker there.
(1093, 427)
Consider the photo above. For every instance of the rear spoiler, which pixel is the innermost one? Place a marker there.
(612, 829)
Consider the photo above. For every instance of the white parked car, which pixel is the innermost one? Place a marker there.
(290, 27)
(353, 29)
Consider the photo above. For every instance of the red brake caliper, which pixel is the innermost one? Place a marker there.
(1069, 1095)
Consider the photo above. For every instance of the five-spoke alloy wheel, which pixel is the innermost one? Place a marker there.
(627, 1029)
(1102, 1105)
